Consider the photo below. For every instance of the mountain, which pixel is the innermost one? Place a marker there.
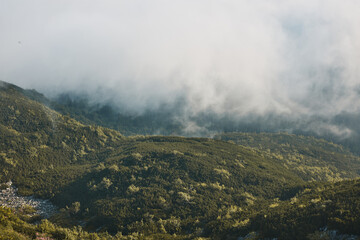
(311, 158)
(320, 210)
(36, 140)
(316, 208)
(175, 120)
(84, 110)
(154, 186)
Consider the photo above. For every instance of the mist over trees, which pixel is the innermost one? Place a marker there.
(173, 119)
(257, 65)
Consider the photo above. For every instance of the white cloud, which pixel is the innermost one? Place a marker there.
(238, 57)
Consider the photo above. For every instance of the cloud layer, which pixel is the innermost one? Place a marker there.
(296, 58)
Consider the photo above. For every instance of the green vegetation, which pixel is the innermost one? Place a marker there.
(157, 179)
(41, 149)
(13, 227)
(311, 158)
(156, 187)
(334, 205)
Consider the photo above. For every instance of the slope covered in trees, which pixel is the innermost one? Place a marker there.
(159, 186)
(36, 141)
(311, 158)
(317, 207)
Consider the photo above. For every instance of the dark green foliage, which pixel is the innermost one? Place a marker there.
(334, 205)
(13, 228)
(154, 187)
(36, 143)
(189, 179)
(311, 158)
(317, 206)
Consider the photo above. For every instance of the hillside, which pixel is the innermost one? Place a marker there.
(311, 158)
(311, 214)
(35, 140)
(107, 115)
(317, 211)
(172, 120)
(154, 185)
(319, 206)
(156, 178)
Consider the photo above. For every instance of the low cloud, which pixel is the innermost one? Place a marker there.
(244, 58)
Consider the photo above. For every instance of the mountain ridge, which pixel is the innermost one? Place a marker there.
(151, 185)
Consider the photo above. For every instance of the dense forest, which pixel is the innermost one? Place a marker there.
(111, 186)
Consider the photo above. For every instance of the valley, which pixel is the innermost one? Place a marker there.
(109, 185)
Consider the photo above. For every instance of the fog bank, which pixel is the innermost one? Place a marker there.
(295, 59)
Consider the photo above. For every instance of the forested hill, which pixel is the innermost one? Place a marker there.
(149, 186)
(35, 140)
(310, 157)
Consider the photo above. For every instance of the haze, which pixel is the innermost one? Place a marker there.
(297, 59)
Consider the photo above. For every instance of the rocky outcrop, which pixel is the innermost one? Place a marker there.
(10, 198)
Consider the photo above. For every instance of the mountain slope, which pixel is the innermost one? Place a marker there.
(175, 120)
(192, 187)
(309, 157)
(84, 110)
(111, 176)
(328, 205)
(35, 139)
(318, 211)
(188, 179)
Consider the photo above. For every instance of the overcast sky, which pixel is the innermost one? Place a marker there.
(299, 57)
